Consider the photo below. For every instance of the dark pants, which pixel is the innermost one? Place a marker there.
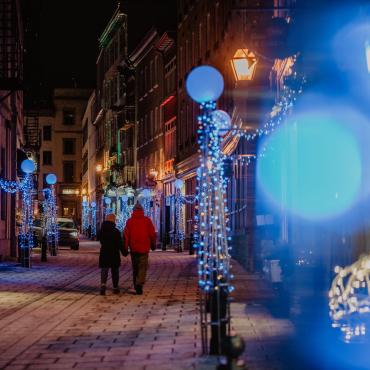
(115, 275)
(139, 267)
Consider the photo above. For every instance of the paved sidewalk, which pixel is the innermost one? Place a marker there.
(52, 316)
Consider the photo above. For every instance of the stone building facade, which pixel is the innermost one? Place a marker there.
(61, 148)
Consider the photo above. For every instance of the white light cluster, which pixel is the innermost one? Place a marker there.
(211, 237)
(349, 298)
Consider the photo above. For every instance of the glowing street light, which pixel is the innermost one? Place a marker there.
(99, 168)
(244, 65)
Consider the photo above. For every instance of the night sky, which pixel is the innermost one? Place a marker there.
(62, 36)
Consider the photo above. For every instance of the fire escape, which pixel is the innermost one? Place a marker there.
(11, 53)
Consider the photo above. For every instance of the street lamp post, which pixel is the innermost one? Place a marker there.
(205, 85)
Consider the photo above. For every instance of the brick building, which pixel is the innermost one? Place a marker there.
(114, 114)
(11, 116)
(214, 32)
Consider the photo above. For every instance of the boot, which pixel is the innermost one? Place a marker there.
(139, 289)
(116, 290)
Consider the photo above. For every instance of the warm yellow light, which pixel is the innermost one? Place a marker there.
(153, 172)
(244, 65)
(84, 191)
(99, 168)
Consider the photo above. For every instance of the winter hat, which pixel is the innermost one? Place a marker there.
(138, 207)
(111, 217)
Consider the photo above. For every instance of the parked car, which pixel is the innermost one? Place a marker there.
(68, 233)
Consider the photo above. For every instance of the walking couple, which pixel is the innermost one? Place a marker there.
(138, 237)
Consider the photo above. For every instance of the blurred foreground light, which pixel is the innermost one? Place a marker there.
(349, 299)
(367, 52)
(204, 84)
(311, 166)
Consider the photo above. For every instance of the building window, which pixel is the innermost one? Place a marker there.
(47, 158)
(69, 171)
(69, 116)
(46, 133)
(69, 146)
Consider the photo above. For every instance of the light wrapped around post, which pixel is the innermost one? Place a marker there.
(145, 201)
(125, 213)
(52, 222)
(205, 85)
(93, 220)
(107, 204)
(85, 216)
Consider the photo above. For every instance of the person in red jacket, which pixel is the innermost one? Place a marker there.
(139, 237)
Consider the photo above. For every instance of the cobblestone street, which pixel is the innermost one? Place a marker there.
(52, 316)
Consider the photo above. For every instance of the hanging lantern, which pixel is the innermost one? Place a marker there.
(244, 65)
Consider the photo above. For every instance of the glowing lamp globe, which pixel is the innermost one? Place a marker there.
(51, 179)
(124, 198)
(107, 201)
(93, 204)
(28, 166)
(179, 184)
(204, 84)
(222, 119)
(146, 193)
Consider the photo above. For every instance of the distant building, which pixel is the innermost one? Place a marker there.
(89, 174)
(115, 114)
(61, 147)
(11, 117)
(156, 115)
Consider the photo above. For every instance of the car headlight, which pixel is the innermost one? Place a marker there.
(74, 234)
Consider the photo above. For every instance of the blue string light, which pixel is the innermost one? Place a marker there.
(125, 213)
(50, 217)
(93, 219)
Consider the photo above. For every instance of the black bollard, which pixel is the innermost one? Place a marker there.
(44, 248)
(53, 246)
(218, 309)
(233, 347)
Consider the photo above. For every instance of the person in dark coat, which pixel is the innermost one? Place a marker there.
(111, 247)
(139, 237)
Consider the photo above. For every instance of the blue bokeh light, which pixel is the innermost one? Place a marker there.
(107, 200)
(223, 119)
(204, 84)
(51, 179)
(28, 166)
(311, 166)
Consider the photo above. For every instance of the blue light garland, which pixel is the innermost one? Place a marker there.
(26, 187)
(93, 220)
(211, 234)
(50, 219)
(85, 216)
(124, 214)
